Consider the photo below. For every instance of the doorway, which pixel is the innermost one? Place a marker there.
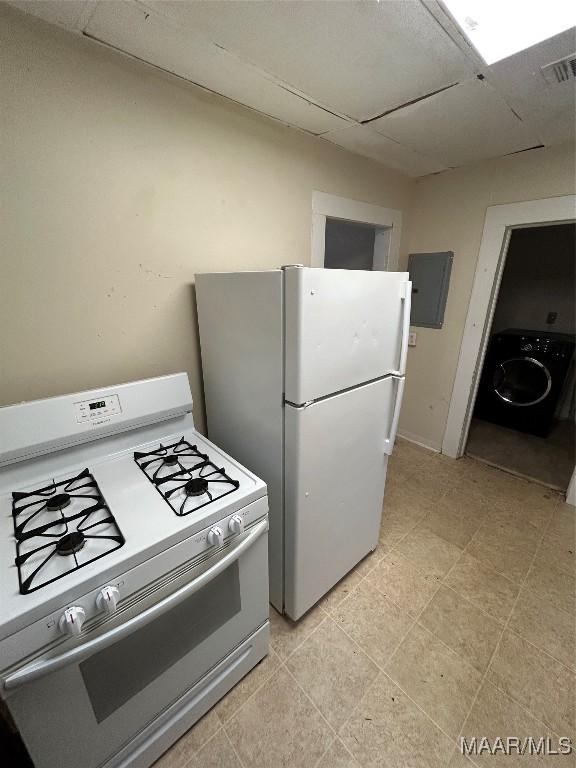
(349, 245)
(524, 413)
(349, 234)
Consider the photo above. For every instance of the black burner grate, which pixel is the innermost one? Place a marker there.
(185, 477)
(74, 517)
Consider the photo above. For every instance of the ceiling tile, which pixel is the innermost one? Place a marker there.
(550, 109)
(67, 14)
(133, 29)
(366, 142)
(459, 126)
(356, 58)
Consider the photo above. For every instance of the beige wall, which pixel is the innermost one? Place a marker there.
(118, 185)
(448, 214)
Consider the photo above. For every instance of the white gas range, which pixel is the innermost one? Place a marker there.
(134, 589)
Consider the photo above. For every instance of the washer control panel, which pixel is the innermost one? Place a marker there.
(93, 410)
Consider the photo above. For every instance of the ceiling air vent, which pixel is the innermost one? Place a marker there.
(560, 71)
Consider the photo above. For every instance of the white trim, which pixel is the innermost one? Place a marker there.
(387, 245)
(421, 441)
(500, 219)
(571, 492)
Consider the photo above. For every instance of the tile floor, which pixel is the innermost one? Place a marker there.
(462, 622)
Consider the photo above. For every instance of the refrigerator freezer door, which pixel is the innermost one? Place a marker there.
(335, 468)
(343, 328)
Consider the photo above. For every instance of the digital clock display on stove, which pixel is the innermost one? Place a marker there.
(98, 404)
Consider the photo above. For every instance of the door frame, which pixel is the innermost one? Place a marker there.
(388, 223)
(498, 225)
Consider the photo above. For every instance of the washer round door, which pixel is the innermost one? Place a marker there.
(521, 381)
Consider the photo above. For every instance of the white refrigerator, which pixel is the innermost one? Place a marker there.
(303, 379)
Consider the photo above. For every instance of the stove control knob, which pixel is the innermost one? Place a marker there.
(71, 621)
(236, 524)
(215, 537)
(107, 599)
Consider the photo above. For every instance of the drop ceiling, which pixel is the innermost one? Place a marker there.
(394, 80)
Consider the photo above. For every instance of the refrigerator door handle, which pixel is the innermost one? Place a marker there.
(389, 442)
(406, 298)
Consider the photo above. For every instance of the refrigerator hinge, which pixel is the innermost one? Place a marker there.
(299, 405)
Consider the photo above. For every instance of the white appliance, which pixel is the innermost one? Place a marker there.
(303, 377)
(133, 555)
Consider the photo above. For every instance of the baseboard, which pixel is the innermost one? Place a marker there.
(571, 492)
(421, 441)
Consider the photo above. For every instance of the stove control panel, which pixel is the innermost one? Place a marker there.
(71, 621)
(236, 524)
(107, 599)
(215, 536)
(94, 411)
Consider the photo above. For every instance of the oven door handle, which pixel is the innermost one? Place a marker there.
(45, 666)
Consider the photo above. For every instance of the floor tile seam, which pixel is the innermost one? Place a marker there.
(541, 596)
(486, 566)
(224, 723)
(335, 740)
(398, 644)
(413, 615)
(356, 707)
(551, 656)
(383, 671)
(491, 567)
(394, 548)
(462, 658)
(317, 607)
(204, 743)
(312, 702)
(443, 643)
(352, 591)
(537, 594)
(349, 637)
(499, 641)
(233, 747)
(440, 536)
(454, 564)
(312, 632)
(526, 709)
(419, 708)
(323, 755)
(532, 564)
(375, 662)
(501, 622)
(407, 532)
(474, 535)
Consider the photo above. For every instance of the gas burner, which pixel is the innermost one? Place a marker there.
(196, 482)
(57, 502)
(69, 518)
(71, 543)
(196, 487)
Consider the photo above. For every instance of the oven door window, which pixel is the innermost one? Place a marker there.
(116, 674)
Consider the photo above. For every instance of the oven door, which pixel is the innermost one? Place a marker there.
(81, 706)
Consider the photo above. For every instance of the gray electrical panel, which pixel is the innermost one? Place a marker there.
(430, 276)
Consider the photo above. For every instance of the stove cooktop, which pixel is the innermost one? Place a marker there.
(60, 528)
(185, 477)
(145, 520)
